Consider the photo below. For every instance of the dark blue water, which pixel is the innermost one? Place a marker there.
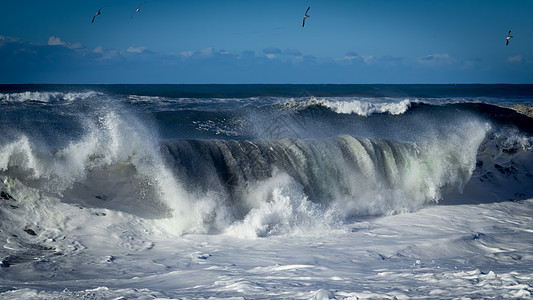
(236, 111)
(496, 91)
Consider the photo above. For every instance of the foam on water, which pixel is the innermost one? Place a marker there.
(358, 106)
(279, 206)
(366, 108)
(46, 97)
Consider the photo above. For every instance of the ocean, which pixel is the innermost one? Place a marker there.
(266, 191)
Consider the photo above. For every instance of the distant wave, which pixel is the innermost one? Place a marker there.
(359, 107)
(45, 97)
(145, 99)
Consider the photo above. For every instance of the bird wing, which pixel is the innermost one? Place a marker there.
(303, 24)
(507, 42)
(307, 10)
(509, 34)
(97, 13)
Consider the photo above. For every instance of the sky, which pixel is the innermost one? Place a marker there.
(230, 41)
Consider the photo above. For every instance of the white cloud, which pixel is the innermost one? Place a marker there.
(187, 53)
(368, 59)
(136, 49)
(350, 57)
(207, 52)
(513, 59)
(353, 57)
(105, 54)
(437, 59)
(56, 41)
(204, 53)
(6, 39)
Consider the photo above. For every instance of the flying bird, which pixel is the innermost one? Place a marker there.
(509, 36)
(137, 10)
(306, 16)
(98, 13)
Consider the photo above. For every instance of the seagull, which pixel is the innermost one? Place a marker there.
(137, 10)
(509, 36)
(306, 16)
(98, 13)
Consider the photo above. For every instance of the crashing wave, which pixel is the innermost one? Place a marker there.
(354, 106)
(45, 97)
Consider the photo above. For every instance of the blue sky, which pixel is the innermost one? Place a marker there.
(204, 41)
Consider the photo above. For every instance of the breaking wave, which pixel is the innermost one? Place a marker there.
(46, 97)
(266, 185)
(361, 107)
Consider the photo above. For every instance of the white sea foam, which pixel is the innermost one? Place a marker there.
(358, 106)
(279, 206)
(441, 251)
(46, 96)
(367, 108)
(146, 99)
(115, 165)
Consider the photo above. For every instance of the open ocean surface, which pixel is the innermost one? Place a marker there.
(266, 191)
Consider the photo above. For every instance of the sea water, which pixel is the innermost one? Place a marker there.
(266, 191)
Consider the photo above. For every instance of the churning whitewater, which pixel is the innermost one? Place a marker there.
(125, 180)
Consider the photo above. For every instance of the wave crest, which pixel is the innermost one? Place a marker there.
(45, 97)
(359, 107)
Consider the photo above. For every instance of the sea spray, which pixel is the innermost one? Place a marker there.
(278, 206)
(358, 106)
(46, 97)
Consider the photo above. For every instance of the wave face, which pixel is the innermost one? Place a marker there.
(251, 162)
